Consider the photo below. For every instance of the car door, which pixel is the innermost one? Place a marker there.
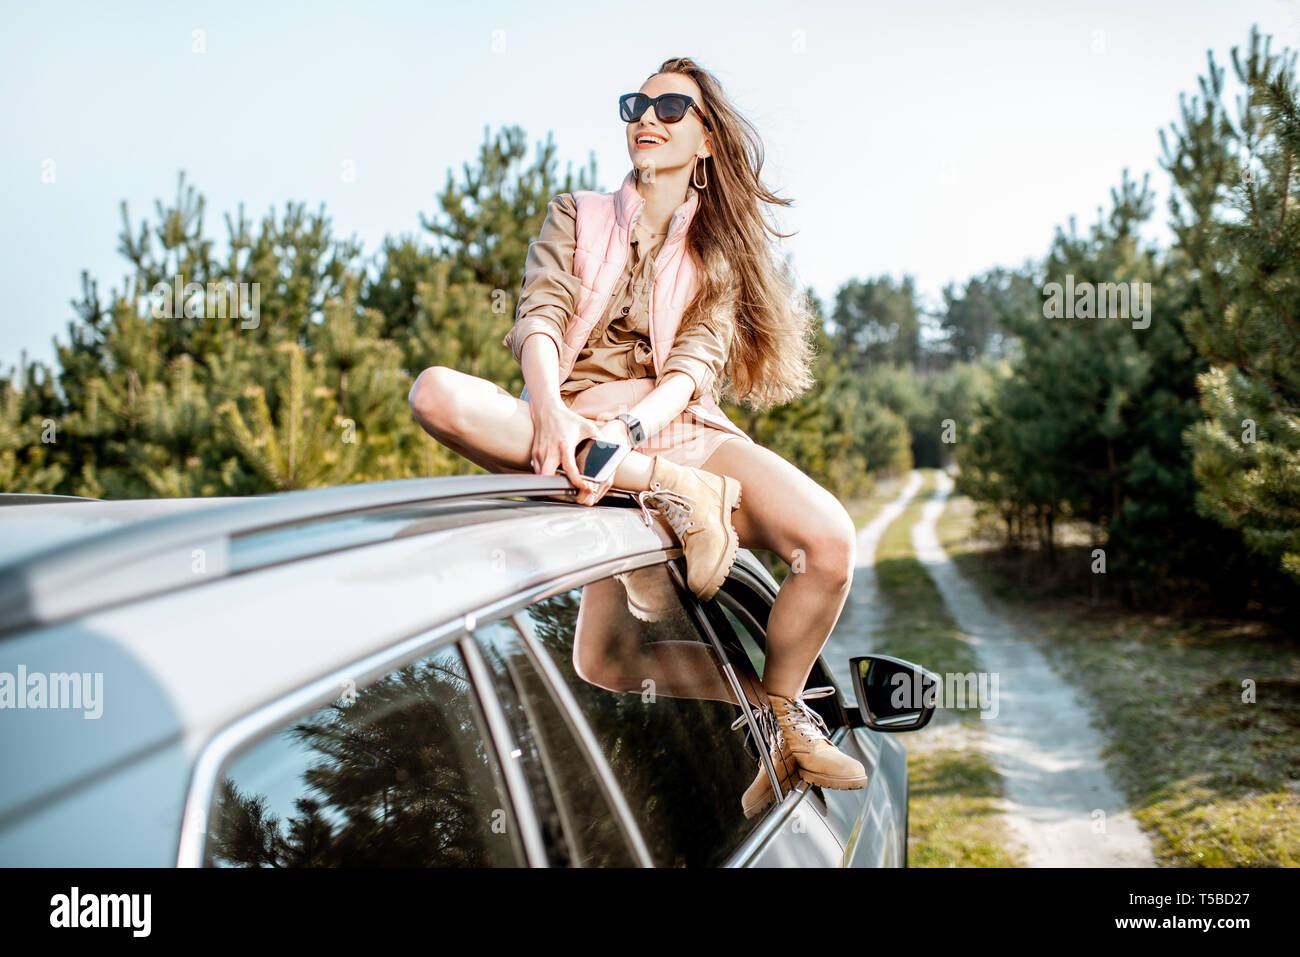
(400, 771)
(652, 704)
(868, 824)
(799, 834)
(575, 800)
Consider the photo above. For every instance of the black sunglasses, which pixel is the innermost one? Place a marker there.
(669, 107)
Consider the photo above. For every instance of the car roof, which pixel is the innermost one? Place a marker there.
(184, 653)
(69, 557)
(30, 524)
(300, 586)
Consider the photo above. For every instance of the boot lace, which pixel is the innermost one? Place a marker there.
(807, 722)
(803, 719)
(674, 506)
(768, 726)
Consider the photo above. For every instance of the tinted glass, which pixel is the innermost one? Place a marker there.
(580, 828)
(661, 708)
(397, 773)
(751, 640)
(730, 612)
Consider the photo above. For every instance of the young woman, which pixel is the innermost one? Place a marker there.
(637, 308)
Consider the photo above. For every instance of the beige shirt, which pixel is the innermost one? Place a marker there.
(619, 344)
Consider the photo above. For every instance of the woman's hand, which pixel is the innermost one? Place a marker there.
(556, 432)
(614, 431)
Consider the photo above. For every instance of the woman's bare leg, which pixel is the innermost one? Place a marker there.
(492, 428)
(611, 650)
(786, 512)
(782, 509)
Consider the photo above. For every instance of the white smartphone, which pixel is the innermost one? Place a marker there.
(602, 459)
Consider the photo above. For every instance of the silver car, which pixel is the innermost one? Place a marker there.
(423, 672)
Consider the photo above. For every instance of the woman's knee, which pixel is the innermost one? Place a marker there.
(433, 398)
(830, 546)
(595, 667)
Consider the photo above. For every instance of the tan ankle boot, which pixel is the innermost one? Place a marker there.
(805, 736)
(759, 794)
(651, 594)
(697, 504)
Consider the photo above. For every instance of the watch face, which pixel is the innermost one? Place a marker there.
(633, 427)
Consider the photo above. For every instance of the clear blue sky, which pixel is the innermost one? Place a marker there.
(928, 137)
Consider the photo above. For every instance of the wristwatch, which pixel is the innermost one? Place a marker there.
(634, 428)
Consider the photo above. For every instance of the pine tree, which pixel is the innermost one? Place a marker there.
(1087, 421)
(369, 385)
(487, 220)
(877, 321)
(973, 319)
(291, 441)
(160, 390)
(29, 431)
(841, 438)
(1237, 216)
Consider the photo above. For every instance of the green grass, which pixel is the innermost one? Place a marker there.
(952, 811)
(953, 816)
(864, 508)
(918, 626)
(1215, 780)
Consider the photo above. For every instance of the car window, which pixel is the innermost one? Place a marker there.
(661, 708)
(731, 614)
(578, 824)
(395, 773)
(752, 641)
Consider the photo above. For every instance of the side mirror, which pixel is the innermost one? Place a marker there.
(892, 693)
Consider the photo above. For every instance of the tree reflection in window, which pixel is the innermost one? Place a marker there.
(401, 776)
(661, 708)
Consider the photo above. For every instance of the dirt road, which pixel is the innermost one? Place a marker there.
(1060, 801)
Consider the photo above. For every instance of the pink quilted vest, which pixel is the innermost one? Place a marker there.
(602, 244)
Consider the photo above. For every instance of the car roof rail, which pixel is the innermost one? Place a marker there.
(34, 498)
(155, 555)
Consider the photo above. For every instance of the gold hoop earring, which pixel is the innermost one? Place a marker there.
(705, 184)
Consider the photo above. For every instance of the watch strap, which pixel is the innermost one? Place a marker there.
(634, 427)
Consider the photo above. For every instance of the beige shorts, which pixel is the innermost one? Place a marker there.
(685, 440)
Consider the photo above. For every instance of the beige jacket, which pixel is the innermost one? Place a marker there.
(619, 346)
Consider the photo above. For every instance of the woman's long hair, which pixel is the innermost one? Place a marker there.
(771, 355)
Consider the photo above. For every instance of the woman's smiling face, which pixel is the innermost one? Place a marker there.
(674, 144)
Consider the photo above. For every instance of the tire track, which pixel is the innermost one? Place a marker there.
(1060, 801)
